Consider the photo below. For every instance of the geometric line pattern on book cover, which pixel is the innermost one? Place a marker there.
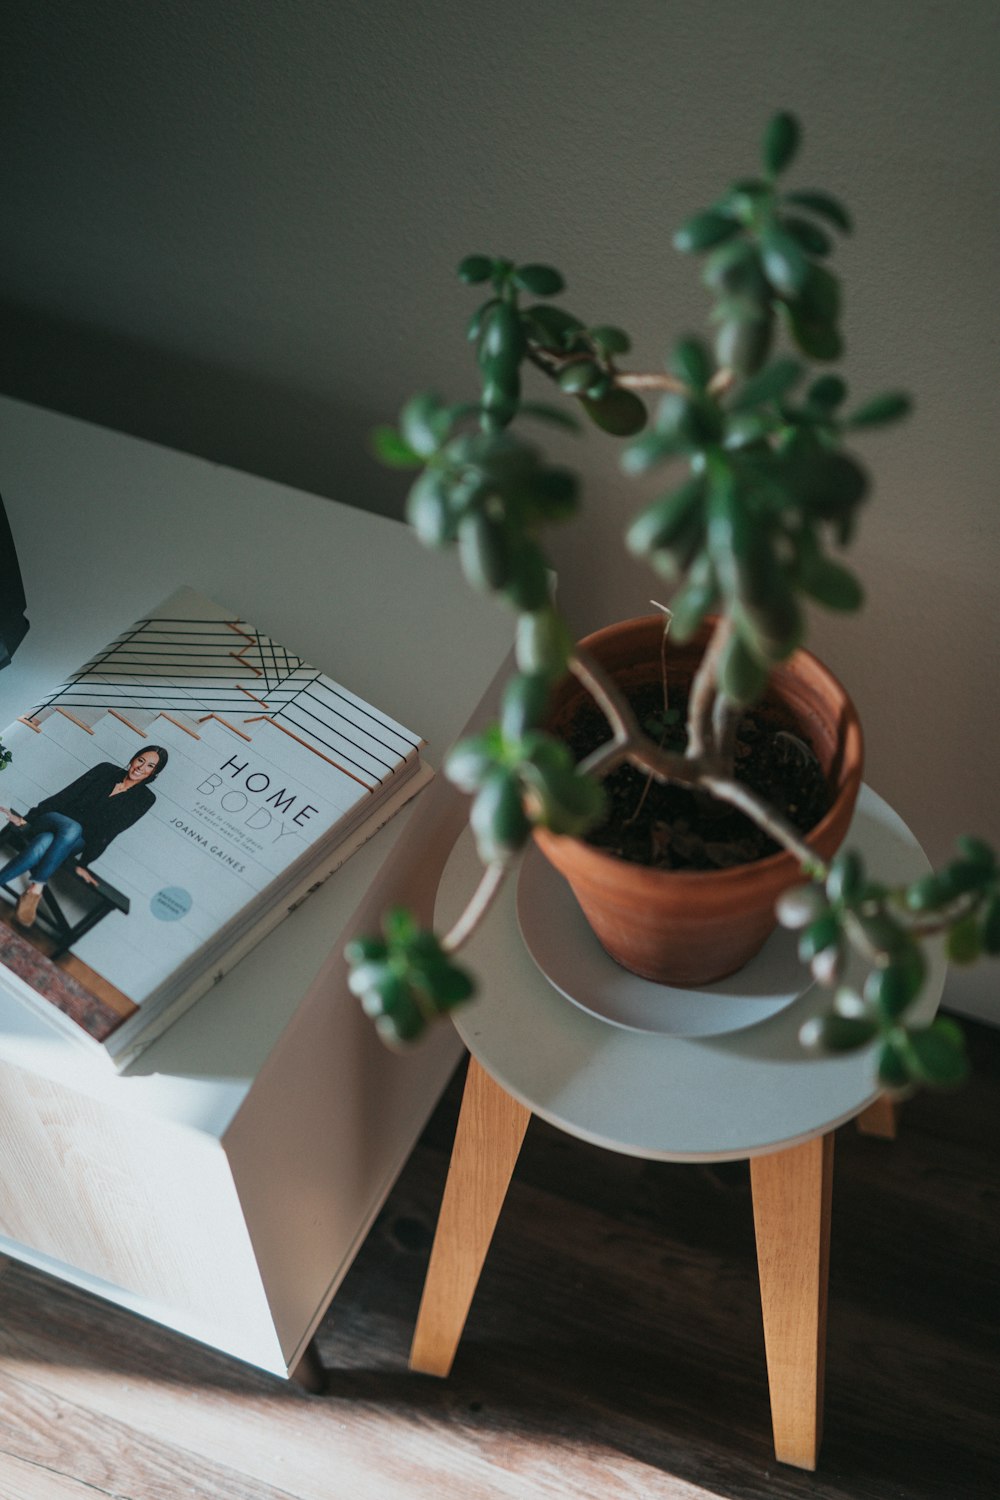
(203, 668)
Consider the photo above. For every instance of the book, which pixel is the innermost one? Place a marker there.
(175, 800)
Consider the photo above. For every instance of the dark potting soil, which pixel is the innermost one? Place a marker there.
(673, 828)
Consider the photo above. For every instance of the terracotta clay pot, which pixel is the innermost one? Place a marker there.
(689, 928)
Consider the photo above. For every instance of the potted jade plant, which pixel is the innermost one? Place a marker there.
(699, 764)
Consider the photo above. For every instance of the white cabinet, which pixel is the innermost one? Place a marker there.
(224, 1185)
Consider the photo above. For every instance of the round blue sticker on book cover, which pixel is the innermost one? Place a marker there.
(170, 904)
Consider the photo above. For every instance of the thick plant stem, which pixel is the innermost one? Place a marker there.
(482, 899)
(553, 364)
(726, 716)
(652, 382)
(704, 688)
(766, 817)
(628, 743)
(608, 696)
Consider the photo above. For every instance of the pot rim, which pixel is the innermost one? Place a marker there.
(852, 739)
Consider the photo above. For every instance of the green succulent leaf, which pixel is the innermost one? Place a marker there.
(742, 675)
(600, 387)
(819, 296)
(650, 450)
(696, 598)
(735, 269)
(747, 429)
(747, 568)
(785, 263)
(892, 988)
(924, 894)
(846, 876)
(555, 415)
(444, 984)
(662, 522)
(965, 941)
(475, 268)
(673, 560)
(428, 510)
(527, 588)
(498, 820)
(543, 643)
(400, 926)
(893, 1067)
(829, 483)
(549, 494)
(770, 384)
(470, 761)
(824, 205)
(393, 449)
(610, 339)
(936, 1054)
(485, 549)
(831, 584)
(977, 851)
(880, 934)
(947, 885)
(550, 326)
(821, 934)
(780, 144)
(692, 363)
(404, 980)
(620, 413)
(837, 1033)
(892, 406)
(800, 906)
(365, 949)
(538, 281)
(743, 198)
(524, 705)
(501, 343)
(742, 344)
(424, 423)
(568, 803)
(577, 378)
(474, 327)
(812, 239)
(774, 629)
(819, 338)
(704, 230)
(500, 397)
(828, 392)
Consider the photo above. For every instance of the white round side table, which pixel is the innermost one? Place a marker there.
(746, 1089)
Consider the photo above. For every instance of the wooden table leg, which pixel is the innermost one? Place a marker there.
(309, 1372)
(792, 1193)
(879, 1119)
(491, 1127)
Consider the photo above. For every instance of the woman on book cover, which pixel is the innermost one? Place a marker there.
(79, 822)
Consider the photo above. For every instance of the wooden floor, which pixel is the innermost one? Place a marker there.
(614, 1349)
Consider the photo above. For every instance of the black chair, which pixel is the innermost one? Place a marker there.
(99, 899)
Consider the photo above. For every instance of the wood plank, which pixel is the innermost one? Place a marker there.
(20, 1480)
(491, 1128)
(880, 1119)
(791, 1206)
(47, 1435)
(613, 1348)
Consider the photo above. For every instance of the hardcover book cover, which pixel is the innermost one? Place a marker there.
(163, 809)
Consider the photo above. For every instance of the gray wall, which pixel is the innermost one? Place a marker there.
(232, 228)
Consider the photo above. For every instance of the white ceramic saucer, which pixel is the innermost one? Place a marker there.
(566, 951)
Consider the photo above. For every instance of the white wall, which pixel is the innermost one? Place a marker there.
(233, 228)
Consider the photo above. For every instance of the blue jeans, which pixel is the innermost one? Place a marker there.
(52, 840)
